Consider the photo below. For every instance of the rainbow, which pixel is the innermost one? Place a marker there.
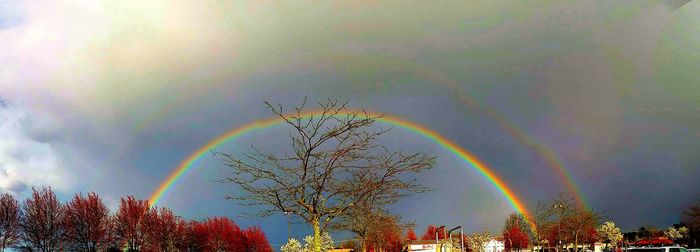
(462, 153)
(432, 75)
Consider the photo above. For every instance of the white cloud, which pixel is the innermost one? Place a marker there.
(26, 159)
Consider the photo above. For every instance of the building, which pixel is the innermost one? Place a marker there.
(494, 245)
(428, 246)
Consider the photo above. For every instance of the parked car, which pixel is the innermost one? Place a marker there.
(659, 249)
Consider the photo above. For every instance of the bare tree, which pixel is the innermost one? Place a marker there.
(541, 222)
(41, 222)
(334, 162)
(9, 221)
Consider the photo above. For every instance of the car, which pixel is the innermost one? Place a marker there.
(659, 249)
(694, 250)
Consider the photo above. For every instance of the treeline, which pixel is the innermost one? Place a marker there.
(42, 223)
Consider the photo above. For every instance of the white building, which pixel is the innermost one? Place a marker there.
(494, 246)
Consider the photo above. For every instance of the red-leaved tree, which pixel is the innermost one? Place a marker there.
(411, 235)
(217, 234)
(86, 222)
(130, 223)
(41, 222)
(429, 233)
(162, 229)
(515, 238)
(9, 221)
(254, 240)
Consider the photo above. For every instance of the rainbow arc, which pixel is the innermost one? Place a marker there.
(463, 154)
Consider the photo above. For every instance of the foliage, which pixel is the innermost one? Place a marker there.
(130, 223)
(292, 246)
(87, 224)
(255, 240)
(326, 242)
(334, 166)
(411, 235)
(675, 234)
(477, 241)
(610, 233)
(429, 233)
(217, 234)
(9, 221)
(41, 221)
(164, 230)
(515, 238)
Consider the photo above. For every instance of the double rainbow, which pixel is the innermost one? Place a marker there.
(460, 152)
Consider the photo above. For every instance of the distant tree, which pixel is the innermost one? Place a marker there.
(86, 222)
(577, 224)
(372, 226)
(411, 235)
(429, 233)
(610, 234)
(386, 235)
(477, 241)
(255, 240)
(9, 221)
(692, 217)
(515, 238)
(217, 234)
(648, 232)
(293, 245)
(333, 163)
(41, 221)
(130, 223)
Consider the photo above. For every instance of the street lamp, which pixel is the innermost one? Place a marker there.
(436, 236)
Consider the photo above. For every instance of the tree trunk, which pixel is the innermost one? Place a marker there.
(317, 235)
(576, 242)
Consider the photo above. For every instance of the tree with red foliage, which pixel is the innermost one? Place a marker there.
(217, 234)
(86, 223)
(429, 233)
(41, 221)
(163, 229)
(254, 240)
(515, 238)
(411, 235)
(130, 226)
(9, 221)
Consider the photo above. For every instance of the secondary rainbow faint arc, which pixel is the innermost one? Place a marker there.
(465, 155)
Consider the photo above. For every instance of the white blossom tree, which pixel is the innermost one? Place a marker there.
(610, 233)
(292, 246)
(477, 241)
(676, 234)
(326, 242)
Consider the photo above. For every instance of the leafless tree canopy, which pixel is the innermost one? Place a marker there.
(334, 165)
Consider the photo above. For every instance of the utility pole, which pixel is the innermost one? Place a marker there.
(559, 206)
(289, 226)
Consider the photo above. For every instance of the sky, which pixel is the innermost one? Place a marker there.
(596, 99)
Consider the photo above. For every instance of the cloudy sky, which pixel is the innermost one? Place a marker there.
(595, 98)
